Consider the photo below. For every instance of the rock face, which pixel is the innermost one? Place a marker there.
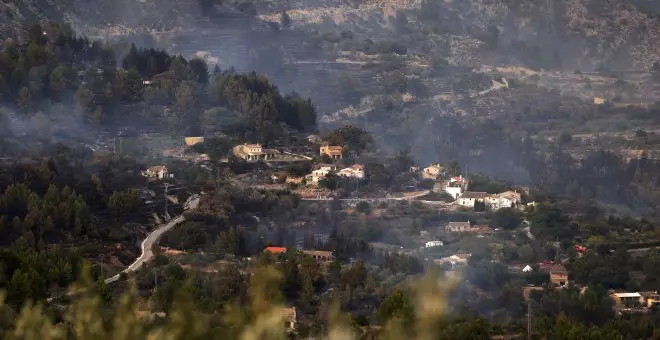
(584, 34)
(117, 17)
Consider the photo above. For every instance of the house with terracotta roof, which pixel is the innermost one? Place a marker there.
(460, 181)
(290, 318)
(468, 198)
(558, 273)
(332, 151)
(275, 250)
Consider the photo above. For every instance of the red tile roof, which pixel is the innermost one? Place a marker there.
(275, 250)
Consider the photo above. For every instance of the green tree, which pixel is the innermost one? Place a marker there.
(454, 169)
(353, 138)
(124, 202)
(397, 305)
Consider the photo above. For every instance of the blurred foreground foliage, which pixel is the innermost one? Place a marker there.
(420, 311)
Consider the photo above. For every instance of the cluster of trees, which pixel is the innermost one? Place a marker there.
(354, 139)
(55, 66)
(49, 212)
(39, 220)
(29, 274)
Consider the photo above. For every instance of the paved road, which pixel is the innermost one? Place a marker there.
(146, 247)
(151, 239)
(148, 243)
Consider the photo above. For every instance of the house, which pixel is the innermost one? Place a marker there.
(558, 273)
(275, 250)
(492, 202)
(458, 227)
(481, 229)
(627, 300)
(354, 171)
(599, 100)
(190, 141)
(652, 300)
(320, 173)
(431, 244)
(509, 199)
(319, 255)
(468, 198)
(460, 181)
(314, 139)
(433, 171)
(254, 152)
(454, 260)
(453, 189)
(332, 151)
(294, 180)
(289, 315)
(527, 269)
(157, 172)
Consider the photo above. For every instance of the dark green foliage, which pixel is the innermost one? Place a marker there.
(30, 274)
(352, 138)
(123, 203)
(397, 305)
(61, 68)
(508, 218)
(330, 182)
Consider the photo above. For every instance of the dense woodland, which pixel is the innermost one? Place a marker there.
(53, 67)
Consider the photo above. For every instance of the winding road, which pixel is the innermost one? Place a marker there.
(146, 245)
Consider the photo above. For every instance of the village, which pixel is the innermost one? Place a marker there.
(313, 175)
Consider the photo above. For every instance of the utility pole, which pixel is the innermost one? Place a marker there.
(217, 179)
(167, 185)
(529, 319)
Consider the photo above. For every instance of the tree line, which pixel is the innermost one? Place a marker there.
(54, 66)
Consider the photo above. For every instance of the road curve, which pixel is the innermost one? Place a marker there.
(146, 245)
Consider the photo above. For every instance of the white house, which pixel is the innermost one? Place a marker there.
(527, 269)
(454, 260)
(156, 172)
(354, 171)
(509, 199)
(320, 173)
(454, 191)
(468, 198)
(430, 244)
